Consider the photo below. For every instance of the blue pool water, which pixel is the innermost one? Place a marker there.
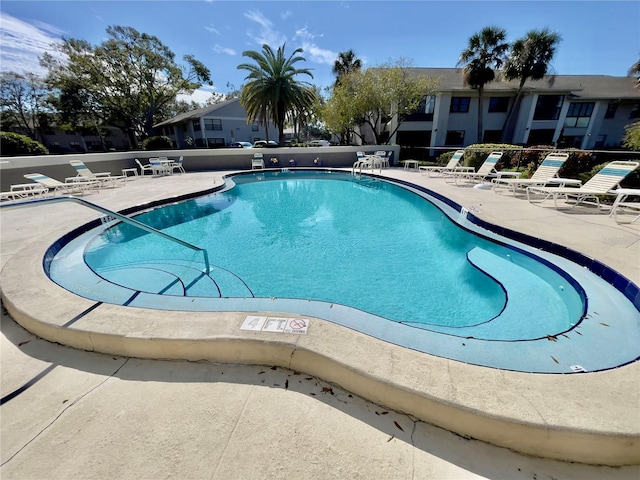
(371, 249)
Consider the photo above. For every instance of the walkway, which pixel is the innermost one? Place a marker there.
(87, 415)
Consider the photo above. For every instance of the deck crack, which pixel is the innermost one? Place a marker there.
(46, 427)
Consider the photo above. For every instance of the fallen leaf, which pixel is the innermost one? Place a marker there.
(577, 332)
(551, 338)
(398, 425)
(260, 373)
(384, 413)
(327, 389)
(391, 438)
(555, 359)
(604, 324)
(312, 394)
(274, 368)
(23, 343)
(286, 384)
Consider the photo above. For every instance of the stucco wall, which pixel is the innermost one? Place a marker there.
(12, 169)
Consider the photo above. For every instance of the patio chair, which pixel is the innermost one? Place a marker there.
(144, 168)
(159, 166)
(602, 183)
(177, 165)
(453, 165)
(363, 161)
(24, 191)
(384, 158)
(257, 161)
(85, 174)
(56, 186)
(624, 206)
(486, 171)
(546, 173)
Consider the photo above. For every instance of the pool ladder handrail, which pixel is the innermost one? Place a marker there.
(115, 215)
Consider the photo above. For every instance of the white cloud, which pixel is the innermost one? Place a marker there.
(201, 95)
(220, 49)
(316, 54)
(212, 30)
(22, 43)
(267, 33)
(312, 51)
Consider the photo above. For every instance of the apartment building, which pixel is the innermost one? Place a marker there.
(214, 126)
(581, 111)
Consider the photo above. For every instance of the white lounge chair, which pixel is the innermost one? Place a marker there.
(623, 206)
(257, 162)
(24, 191)
(545, 174)
(85, 174)
(144, 168)
(602, 183)
(453, 165)
(486, 171)
(177, 165)
(56, 186)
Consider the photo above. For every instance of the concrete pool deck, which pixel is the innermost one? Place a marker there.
(589, 418)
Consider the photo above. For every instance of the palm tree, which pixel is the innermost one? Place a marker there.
(345, 63)
(530, 58)
(272, 92)
(485, 51)
(634, 71)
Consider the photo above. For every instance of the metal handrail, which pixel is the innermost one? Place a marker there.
(118, 216)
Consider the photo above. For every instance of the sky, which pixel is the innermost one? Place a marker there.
(598, 37)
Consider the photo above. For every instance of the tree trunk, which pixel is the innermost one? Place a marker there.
(480, 113)
(512, 115)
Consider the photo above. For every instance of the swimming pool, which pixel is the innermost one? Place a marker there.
(382, 258)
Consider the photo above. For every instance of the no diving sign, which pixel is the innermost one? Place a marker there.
(275, 324)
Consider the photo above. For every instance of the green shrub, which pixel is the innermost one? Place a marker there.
(475, 155)
(444, 158)
(531, 157)
(12, 144)
(578, 163)
(159, 142)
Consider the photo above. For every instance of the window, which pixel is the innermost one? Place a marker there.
(579, 114)
(492, 136)
(215, 142)
(418, 138)
(196, 125)
(429, 105)
(611, 110)
(424, 111)
(571, 141)
(459, 104)
(600, 141)
(212, 124)
(498, 104)
(454, 138)
(541, 137)
(548, 107)
(635, 111)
